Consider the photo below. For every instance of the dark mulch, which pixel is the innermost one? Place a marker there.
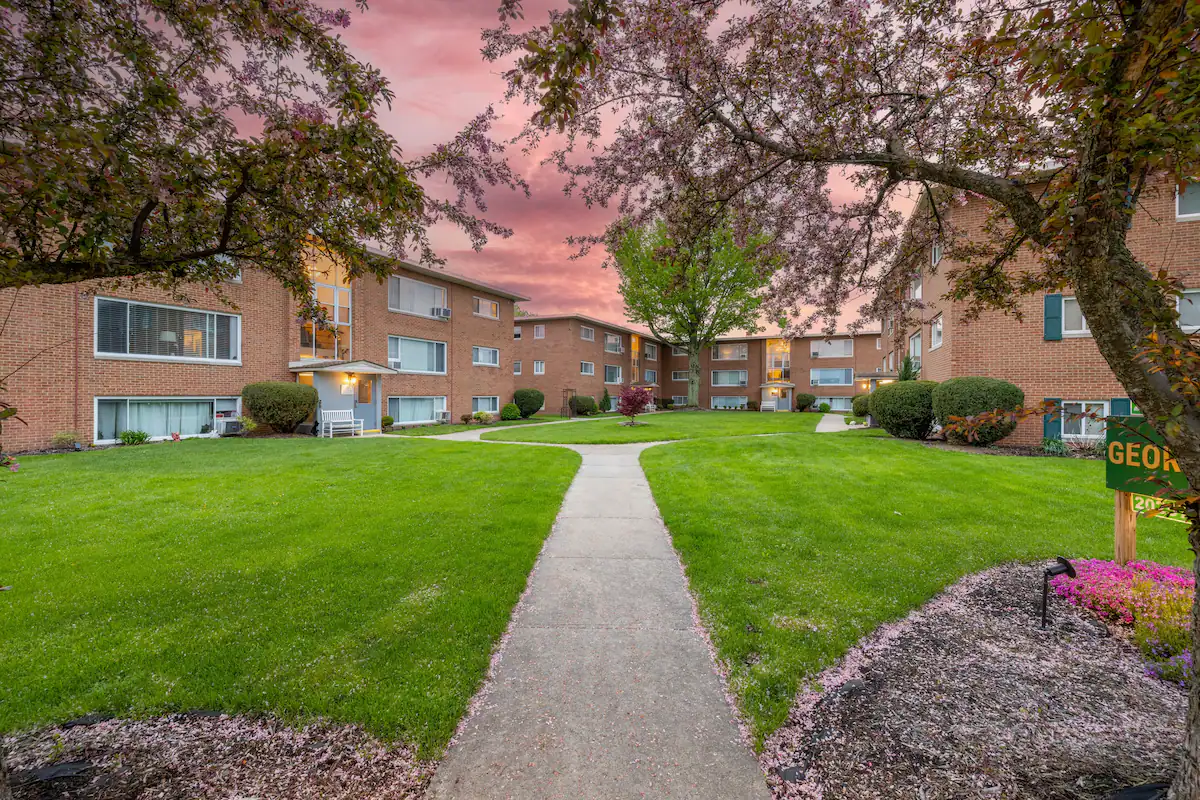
(206, 755)
(967, 698)
(1028, 451)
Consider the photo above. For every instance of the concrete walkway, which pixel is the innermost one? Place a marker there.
(832, 423)
(605, 687)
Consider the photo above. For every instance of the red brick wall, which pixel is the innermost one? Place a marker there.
(562, 350)
(867, 357)
(1001, 346)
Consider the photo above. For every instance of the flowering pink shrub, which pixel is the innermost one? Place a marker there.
(9, 463)
(1155, 600)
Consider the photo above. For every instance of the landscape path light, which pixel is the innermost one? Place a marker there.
(1060, 567)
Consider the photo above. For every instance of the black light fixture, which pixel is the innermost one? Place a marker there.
(1060, 567)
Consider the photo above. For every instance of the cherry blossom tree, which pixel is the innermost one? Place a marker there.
(691, 285)
(1061, 114)
(178, 142)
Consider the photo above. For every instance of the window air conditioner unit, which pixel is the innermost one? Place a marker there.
(395, 363)
(814, 383)
(442, 313)
(441, 416)
(816, 353)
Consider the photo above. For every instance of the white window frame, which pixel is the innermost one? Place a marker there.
(587, 334)
(1181, 299)
(820, 356)
(1083, 437)
(539, 367)
(516, 332)
(477, 350)
(878, 342)
(442, 289)
(96, 353)
(495, 402)
(478, 303)
(517, 367)
(916, 337)
(744, 379)
(646, 375)
(539, 331)
(935, 254)
(587, 367)
(387, 403)
(677, 372)
(916, 288)
(712, 402)
(445, 355)
(813, 380)
(936, 333)
(1074, 332)
(679, 399)
(161, 399)
(891, 361)
(650, 351)
(678, 351)
(744, 350)
(617, 367)
(837, 403)
(1179, 196)
(614, 339)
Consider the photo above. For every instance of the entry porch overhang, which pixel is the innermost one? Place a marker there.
(359, 367)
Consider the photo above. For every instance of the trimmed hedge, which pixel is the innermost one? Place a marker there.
(824, 408)
(510, 412)
(805, 401)
(966, 397)
(583, 405)
(861, 405)
(281, 404)
(905, 408)
(529, 401)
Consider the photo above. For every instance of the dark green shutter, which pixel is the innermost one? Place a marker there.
(1052, 422)
(1052, 318)
(1120, 407)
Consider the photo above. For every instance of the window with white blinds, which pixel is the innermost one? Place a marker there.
(415, 409)
(416, 355)
(832, 348)
(738, 351)
(167, 333)
(414, 297)
(730, 377)
(831, 377)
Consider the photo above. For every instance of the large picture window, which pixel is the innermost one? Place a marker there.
(831, 377)
(612, 374)
(415, 409)
(612, 343)
(489, 404)
(650, 376)
(161, 416)
(165, 333)
(415, 297)
(485, 356)
(729, 402)
(832, 348)
(416, 355)
(738, 351)
(730, 377)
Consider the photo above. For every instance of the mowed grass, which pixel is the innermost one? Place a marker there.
(439, 430)
(362, 581)
(798, 546)
(669, 426)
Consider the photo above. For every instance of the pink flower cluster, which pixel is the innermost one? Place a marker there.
(1123, 593)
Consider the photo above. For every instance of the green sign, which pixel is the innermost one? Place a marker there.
(1143, 504)
(1138, 462)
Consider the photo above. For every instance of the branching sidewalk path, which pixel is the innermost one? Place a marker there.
(605, 688)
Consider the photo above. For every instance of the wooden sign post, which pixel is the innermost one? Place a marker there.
(1139, 466)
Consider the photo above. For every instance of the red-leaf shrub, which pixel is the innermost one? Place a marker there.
(633, 401)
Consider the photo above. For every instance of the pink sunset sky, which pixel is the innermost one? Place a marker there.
(429, 50)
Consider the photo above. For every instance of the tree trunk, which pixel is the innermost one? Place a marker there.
(694, 375)
(5, 788)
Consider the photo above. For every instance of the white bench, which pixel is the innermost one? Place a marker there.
(333, 422)
(767, 405)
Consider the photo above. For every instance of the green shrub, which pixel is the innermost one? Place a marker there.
(605, 401)
(668, 404)
(824, 408)
(1055, 447)
(510, 412)
(861, 405)
(280, 404)
(529, 401)
(483, 417)
(905, 408)
(805, 401)
(64, 439)
(387, 421)
(583, 405)
(133, 437)
(752, 405)
(966, 397)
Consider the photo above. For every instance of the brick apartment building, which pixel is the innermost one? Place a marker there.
(95, 362)
(1050, 354)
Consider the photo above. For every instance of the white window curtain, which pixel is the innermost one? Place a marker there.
(161, 418)
(612, 374)
(729, 402)
(831, 377)
(415, 409)
(730, 377)
(836, 348)
(414, 297)
(651, 376)
(417, 355)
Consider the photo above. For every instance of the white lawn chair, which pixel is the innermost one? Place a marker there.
(333, 422)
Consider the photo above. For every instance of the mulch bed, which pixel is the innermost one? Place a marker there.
(967, 698)
(1028, 451)
(201, 755)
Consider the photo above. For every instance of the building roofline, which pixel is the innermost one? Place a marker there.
(449, 277)
(584, 318)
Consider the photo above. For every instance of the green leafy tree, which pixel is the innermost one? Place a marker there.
(691, 288)
(179, 142)
(908, 370)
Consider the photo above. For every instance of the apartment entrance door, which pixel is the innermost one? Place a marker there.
(781, 396)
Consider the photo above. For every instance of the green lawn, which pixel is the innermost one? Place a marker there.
(664, 427)
(438, 430)
(364, 581)
(798, 546)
